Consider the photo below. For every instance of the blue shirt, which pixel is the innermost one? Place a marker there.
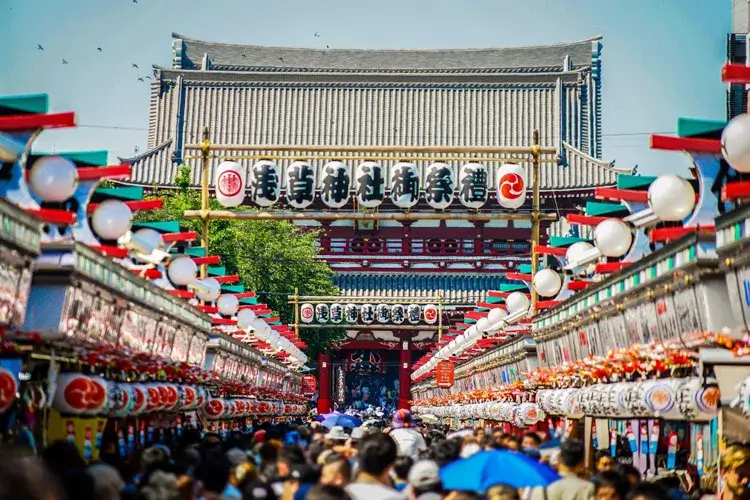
(232, 492)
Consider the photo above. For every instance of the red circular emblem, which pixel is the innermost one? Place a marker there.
(307, 312)
(511, 186)
(229, 183)
(214, 408)
(190, 396)
(8, 389)
(79, 393)
(430, 314)
(140, 398)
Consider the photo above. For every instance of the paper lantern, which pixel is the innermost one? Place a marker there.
(671, 197)
(351, 313)
(230, 183)
(613, 238)
(398, 314)
(182, 271)
(140, 398)
(111, 219)
(413, 313)
(482, 325)
(472, 333)
(547, 283)
(382, 313)
(307, 313)
(210, 290)
(227, 304)
(336, 312)
(53, 178)
(335, 184)
(79, 394)
(370, 184)
(119, 399)
(215, 408)
(511, 186)
(190, 397)
(265, 183)
(404, 184)
(496, 315)
(439, 184)
(151, 237)
(300, 184)
(735, 143)
(322, 313)
(430, 314)
(472, 185)
(8, 388)
(367, 313)
(516, 302)
(245, 318)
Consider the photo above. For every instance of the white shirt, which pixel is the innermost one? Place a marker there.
(409, 441)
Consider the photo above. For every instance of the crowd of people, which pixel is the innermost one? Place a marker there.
(397, 460)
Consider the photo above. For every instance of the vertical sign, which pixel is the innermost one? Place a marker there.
(444, 374)
(309, 385)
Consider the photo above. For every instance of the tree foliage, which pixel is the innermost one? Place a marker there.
(271, 257)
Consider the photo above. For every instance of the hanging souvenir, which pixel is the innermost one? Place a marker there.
(300, 184)
(472, 185)
(322, 313)
(438, 185)
(511, 186)
(370, 184)
(265, 183)
(430, 314)
(215, 409)
(335, 184)
(404, 184)
(398, 314)
(306, 313)
(79, 394)
(382, 313)
(351, 313)
(367, 313)
(337, 313)
(413, 313)
(230, 183)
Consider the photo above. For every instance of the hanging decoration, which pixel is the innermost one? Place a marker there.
(472, 185)
(398, 314)
(430, 313)
(230, 183)
(404, 184)
(322, 313)
(511, 186)
(367, 313)
(265, 183)
(336, 313)
(335, 184)
(382, 313)
(300, 184)
(439, 184)
(413, 313)
(307, 313)
(370, 184)
(351, 313)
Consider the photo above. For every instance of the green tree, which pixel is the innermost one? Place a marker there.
(274, 257)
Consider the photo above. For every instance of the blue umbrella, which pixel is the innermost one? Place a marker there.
(486, 469)
(324, 416)
(349, 421)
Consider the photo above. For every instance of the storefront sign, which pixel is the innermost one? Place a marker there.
(444, 374)
(309, 385)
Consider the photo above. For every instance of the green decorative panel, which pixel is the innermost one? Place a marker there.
(599, 208)
(565, 241)
(692, 127)
(635, 182)
(26, 104)
(232, 288)
(171, 226)
(196, 252)
(217, 271)
(122, 193)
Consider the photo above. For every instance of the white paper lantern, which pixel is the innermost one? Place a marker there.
(405, 186)
(245, 318)
(671, 197)
(307, 313)
(265, 183)
(259, 326)
(53, 178)
(335, 184)
(227, 304)
(510, 186)
(482, 325)
(496, 315)
(547, 283)
(439, 184)
(211, 291)
(575, 252)
(735, 143)
(182, 271)
(472, 333)
(300, 184)
(472, 185)
(517, 301)
(230, 183)
(369, 184)
(111, 219)
(151, 236)
(613, 238)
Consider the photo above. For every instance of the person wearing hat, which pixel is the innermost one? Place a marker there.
(410, 442)
(424, 481)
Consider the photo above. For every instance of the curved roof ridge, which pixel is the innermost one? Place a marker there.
(146, 154)
(466, 49)
(609, 165)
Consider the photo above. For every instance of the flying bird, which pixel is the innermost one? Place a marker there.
(317, 35)
(135, 1)
(134, 65)
(39, 47)
(154, 71)
(148, 78)
(99, 49)
(328, 46)
(64, 61)
(140, 78)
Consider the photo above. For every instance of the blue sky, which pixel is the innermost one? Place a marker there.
(661, 58)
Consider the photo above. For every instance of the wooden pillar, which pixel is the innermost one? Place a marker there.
(325, 404)
(404, 375)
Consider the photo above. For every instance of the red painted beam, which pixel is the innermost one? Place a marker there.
(272, 319)
(464, 325)
(147, 273)
(663, 234)
(110, 251)
(172, 237)
(518, 276)
(735, 190)
(585, 220)
(183, 294)
(487, 305)
(53, 216)
(109, 172)
(223, 321)
(578, 285)
(475, 315)
(37, 121)
(245, 295)
(133, 205)
(609, 193)
(253, 307)
(671, 143)
(735, 73)
(208, 309)
(259, 312)
(545, 250)
(232, 278)
(610, 267)
(211, 259)
(547, 304)
(498, 294)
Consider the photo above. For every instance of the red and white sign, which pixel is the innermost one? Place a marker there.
(309, 385)
(80, 394)
(444, 375)
(8, 389)
(430, 313)
(511, 186)
(230, 183)
(307, 313)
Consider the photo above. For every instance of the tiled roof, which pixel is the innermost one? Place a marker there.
(223, 55)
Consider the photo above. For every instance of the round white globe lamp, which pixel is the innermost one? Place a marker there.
(496, 315)
(735, 143)
(613, 238)
(245, 318)
(53, 178)
(575, 251)
(210, 291)
(151, 236)
(671, 197)
(482, 325)
(111, 219)
(547, 283)
(227, 304)
(517, 302)
(182, 271)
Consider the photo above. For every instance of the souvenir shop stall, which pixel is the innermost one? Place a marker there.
(106, 324)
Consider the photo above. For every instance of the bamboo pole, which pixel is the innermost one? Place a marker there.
(535, 215)
(373, 157)
(299, 148)
(205, 148)
(373, 326)
(352, 215)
